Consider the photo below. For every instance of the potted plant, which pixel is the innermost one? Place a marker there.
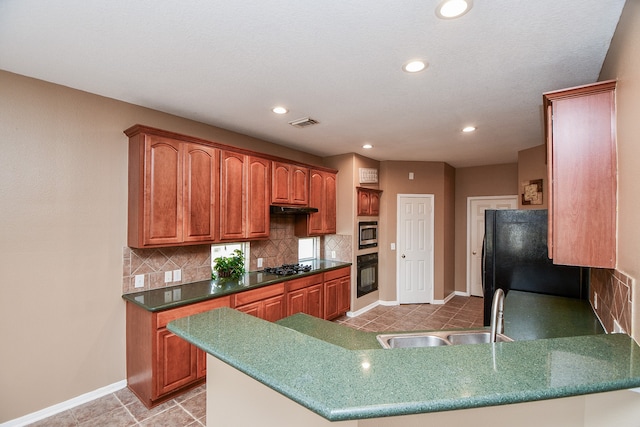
(229, 266)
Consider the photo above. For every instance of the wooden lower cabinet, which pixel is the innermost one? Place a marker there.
(337, 292)
(267, 303)
(160, 364)
(306, 295)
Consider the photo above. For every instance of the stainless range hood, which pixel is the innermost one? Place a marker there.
(292, 210)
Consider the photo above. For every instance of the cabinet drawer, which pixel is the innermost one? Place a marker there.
(303, 282)
(247, 297)
(334, 274)
(164, 317)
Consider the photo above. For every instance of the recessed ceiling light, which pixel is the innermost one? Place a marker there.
(414, 66)
(450, 9)
(367, 146)
(469, 129)
(280, 110)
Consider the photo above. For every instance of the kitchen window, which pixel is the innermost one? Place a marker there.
(308, 248)
(226, 249)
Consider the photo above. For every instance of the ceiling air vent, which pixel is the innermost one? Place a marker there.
(304, 122)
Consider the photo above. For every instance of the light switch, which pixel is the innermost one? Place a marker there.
(393, 246)
(177, 275)
(410, 175)
(168, 276)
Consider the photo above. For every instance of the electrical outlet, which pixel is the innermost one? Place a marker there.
(259, 262)
(168, 277)
(595, 300)
(139, 281)
(177, 275)
(333, 254)
(393, 246)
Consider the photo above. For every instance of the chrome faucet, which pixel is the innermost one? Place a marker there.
(497, 315)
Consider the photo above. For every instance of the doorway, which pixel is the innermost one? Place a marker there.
(475, 235)
(414, 254)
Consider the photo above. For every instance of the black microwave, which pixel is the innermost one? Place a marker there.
(367, 234)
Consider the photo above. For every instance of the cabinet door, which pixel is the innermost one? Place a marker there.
(273, 308)
(344, 295)
(200, 193)
(296, 302)
(176, 360)
(331, 296)
(254, 309)
(162, 219)
(280, 183)
(315, 301)
(258, 182)
(583, 169)
(364, 202)
(329, 210)
(374, 205)
(299, 191)
(316, 200)
(232, 196)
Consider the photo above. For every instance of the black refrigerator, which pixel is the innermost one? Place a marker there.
(515, 257)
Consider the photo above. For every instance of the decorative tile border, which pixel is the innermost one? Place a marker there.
(614, 300)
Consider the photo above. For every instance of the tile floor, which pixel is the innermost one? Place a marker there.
(122, 408)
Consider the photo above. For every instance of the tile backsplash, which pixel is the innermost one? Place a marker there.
(195, 261)
(614, 298)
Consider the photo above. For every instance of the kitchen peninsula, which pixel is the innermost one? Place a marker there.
(318, 382)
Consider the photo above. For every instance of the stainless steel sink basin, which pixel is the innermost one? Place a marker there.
(437, 338)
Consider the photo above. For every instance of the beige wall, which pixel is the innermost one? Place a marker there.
(429, 178)
(532, 165)
(63, 221)
(623, 63)
(494, 180)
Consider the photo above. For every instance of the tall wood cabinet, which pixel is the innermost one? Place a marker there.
(289, 184)
(172, 190)
(582, 165)
(322, 195)
(244, 196)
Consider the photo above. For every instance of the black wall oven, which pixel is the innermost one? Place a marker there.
(367, 234)
(367, 274)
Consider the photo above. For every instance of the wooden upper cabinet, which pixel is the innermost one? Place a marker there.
(582, 165)
(289, 184)
(322, 195)
(200, 195)
(244, 196)
(172, 191)
(368, 201)
(258, 183)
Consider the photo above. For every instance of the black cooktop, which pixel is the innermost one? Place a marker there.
(288, 269)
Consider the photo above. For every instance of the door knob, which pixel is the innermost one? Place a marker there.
(403, 255)
(474, 252)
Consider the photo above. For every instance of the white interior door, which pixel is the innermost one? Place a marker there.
(415, 248)
(475, 235)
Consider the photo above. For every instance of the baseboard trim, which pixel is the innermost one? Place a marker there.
(66, 405)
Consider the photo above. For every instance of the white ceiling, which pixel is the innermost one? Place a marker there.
(227, 63)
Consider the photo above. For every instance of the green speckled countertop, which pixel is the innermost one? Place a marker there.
(344, 377)
(190, 293)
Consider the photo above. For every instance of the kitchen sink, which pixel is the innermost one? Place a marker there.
(437, 338)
